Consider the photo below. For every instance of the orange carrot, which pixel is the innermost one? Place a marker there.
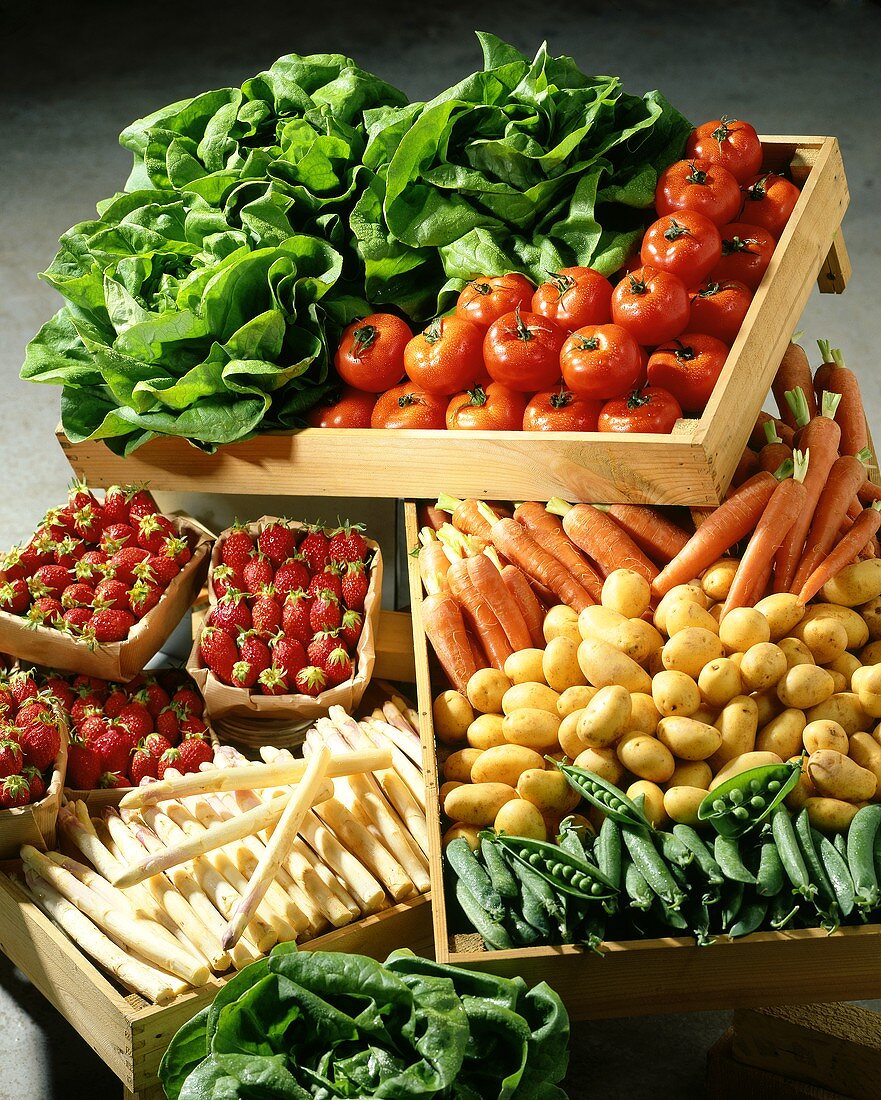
(600, 537)
(780, 514)
(517, 544)
(445, 629)
(700, 514)
(488, 582)
(479, 615)
(821, 375)
(650, 529)
(433, 566)
(757, 435)
(775, 452)
(747, 467)
(547, 530)
(853, 543)
(845, 477)
(851, 416)
(733, 519)
(430, 516)
(465, 515)
(793, 373)
(530, 608)
(869, 492)
(854, 509)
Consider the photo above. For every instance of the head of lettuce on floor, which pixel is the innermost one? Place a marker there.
(303, 1025)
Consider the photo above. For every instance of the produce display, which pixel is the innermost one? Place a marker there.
(31, 730)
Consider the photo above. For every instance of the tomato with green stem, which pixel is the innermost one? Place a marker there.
(575, 297)
(730, 142)
(489, 297)
(699, 185)
(494, 408)
(601, 361)
(688, 368)
(343, 408)
(718, 309)
(768, 200)
(370, 355)
(409, 406)
(561, 410)
(686, 244)
(652, 305)
(447, 356)
(648, 409)
(746, 253)
(522, 351)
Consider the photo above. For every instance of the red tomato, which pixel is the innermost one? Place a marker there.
(746, 253)
(575, 297)
(495, 408)
(560, 410)
(718, 309)
(768, 201)
(729, 142)
(689, 369)
(446, 357)
(522, 351)
(371, 352)
(646, 410)
(489, 297)
(408, 406)
(652, 305)
(699, 185)
(685, 243)
(343, 408)
(601, 361)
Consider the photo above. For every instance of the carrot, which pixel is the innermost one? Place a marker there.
(488, 582)
(650, 529)
(869, 492)
(821, 375)
(845, 477)
(517, 544)
(530, 608)
(480, 658)
(547, 530)
(855, 509)
(793, 373)
(775, 452)
(801, 411)
(746, 468)
(700, 514)
(466, 517)
(779, 516)
(433, 566)
(728, 524)
(479, 615)
(853, 543)
(851, 415)
(757, 435)
(430, 516)
(600, 536)
(445, 629)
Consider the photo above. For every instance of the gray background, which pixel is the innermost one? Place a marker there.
(71, 79)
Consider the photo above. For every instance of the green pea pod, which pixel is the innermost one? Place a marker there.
(769, 877)
(550, 901)
(494, 933)
(503, 882)
(593, 932)
(564, 872)
(670, 917)
(732, 902)
(604, 795)
(745, 801)
(703, 857)
(637, 889)
(816, 869)
(699, 923)
(464, 863)
(840, 842)
(522, 932)
(783, 910)
(861, 838)
(535, 912)
(838, 872)
(750, 918)
(654, 870)
(674, 850)
(790, 853)
(608, 851)
(569, 842)
(727, 853)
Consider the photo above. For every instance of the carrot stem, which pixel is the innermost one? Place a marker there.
(829, 404)
(558, 507)
(446, 503)
(771, 433)
(798, 405)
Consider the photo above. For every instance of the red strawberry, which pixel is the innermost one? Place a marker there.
(218, 652)
(154, 697)
(75, 618)
(23, 685)
(110, 626)
(90, 702)
(60, 688)
(156, 744)
(115, 702)
(136, 719)
(12, 565)
(189, 699)
(14, 791)
(355, 585)
(169, 759)
(231, 613)
(338, 667)
(111, 593)
(77, 594)
(121, 565)
(153, 530)
(310, 681)
(113, 747)
(257, 573)
(329, 580)
(11, 758)
(347, 543)
(143, 597)
(236, 548)
(68, 551)
(34, 710)
(162, 570)
(194, 751)
(35, 782)
(351, 626)
(15, 596)
(168, 725)
(289, 656)
(79, 495)
(38, 552)
(224, 578)
(46, 611)
(88, 521)
(193, 725)
(314, 548)
(40, 744)
(92, 727)
(277, 541)
(177, 550)
(143, 763)
(112, 781)
(7, 703)
(57, 523)
(49, 580)
(140, 503)
(289, 576)
(116, 535)
(266, 613)
(90, 566)
(325, 612)
(321, 647)
(254, 657)
(83, 766)
(115, 505)
(295, 616)
(273, 681)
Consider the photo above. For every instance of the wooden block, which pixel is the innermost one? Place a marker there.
(836, 271)
(728, 1079)
(831, 1045)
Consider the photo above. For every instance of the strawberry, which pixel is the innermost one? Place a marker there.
(347, 543)
(15, 596)
(75, 618)
(236, 548)
(290, 575)
(134, 685)
(45, 611)
(88, 521)
(115, 505)
(121, 565)
(168, 724)
(189, 699)
(92, 727)
(289, 656)
(338, 667)
(89, 703)
(277, 542)
(59, 687)
(112, 781)
(23, 686)
(35, 782)
(218, 652)
(136, 719)
(266, 613)
(351, 626)
(154, 697)
(77, 594)
(83, 766)
(254, 657)
(310, 681)
(177, 550)
(257, 573)
(116, 535)
(224, 578)
(35, 709)
(355, 584)
(109, 626)
(295, 616)
(193, 725)
(321, 647)
(156, 744)
(113, 747)
(68, 551)
(153, 530)
(12, 565)
(7, 703)
(38, 552)
(231, 613)
(57, 523)
(49, 580)
(11, 758)
(325, 612)
(143, 597)
(40, 744)
(14, 791)
(328, 580)
(115, 702)
(169, 759)
(91, 566)
(143, 763)
(111, 593)
(273, 681)
(314, 549)
(161, 570)
(140, 503)
(194, 751)
(79, 495)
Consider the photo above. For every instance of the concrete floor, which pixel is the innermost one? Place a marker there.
(73, 77)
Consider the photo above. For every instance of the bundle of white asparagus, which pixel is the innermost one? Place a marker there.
(198, 873)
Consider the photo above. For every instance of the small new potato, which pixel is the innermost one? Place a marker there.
(691, 773)
(486, 689)
(826, 638)
(561, 620)
(567, 735)
(720, 682)
(646, 758)
(865, 750)
(602, 762)
(468, 833)
(505, 764)
(689, 740)
(769, 706)
(525, 666)
(871, 615)
(691, 649)
(675, 693)
(532, 728)
(653, 804)
(737, 724)
(705, 714)
(855, 585)
(718, 578)
(867, 679)
(520, 818)
(477, 803)
(831, 815)
(796, 652)
(644, 715)
(548, 791)
(762, 666)
(839, 681)
(805, 686)
(871, 654)
(604, 666)
(635, 638)
(743, 763)
(825, 734)
(626, 592)
(535, 696)
(844, 708)
(804, 788)
(742, 628)
(681, 804)
(445, 789)
(846, 664)
(560, 666)
(452, 715)
(605, 717)
(782, 613)
(693, 592)
(783, 734)
(574, 698)
(849, 617)
(837, 776)
(458, 765)
(685, 613)
(486, 731)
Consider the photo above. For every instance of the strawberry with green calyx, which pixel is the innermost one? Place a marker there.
(78, 594)
(310, 680)
(338, 666)
(68, 551)
(79, 495)
(314, 549)
(7, 703)
(59, 688)
(193, 725)
(23, 685)
(116, 536)
(113, 748)
(258, 572)
(153, 696)
(121, 565)
(12, 565)
(218, 652)
(168, 723)
(15, 596)
(45, 611)
(266, 614)
(177, 550)
(50, 580)
(189, 699)
(140, 503)
(224, 578)
(108, 625)
(325, 612)
(351, 626)
(112, 781)
(169, 759)
(144, 572)
(143, 597)
(231, 613)
(273, 681)
(37, 708)
(93, 726)
(156, 744)
(91, 567)
(11, 757)
(289, 656)
(236, 549)
(88, 704)
(35, 782)
(153, 530)
(40, 743)
(329, 579)
(355, 585)
(74, 619)
(254, 657)
(295, 616)
(88, 521)
(194, 751)
(143, 763)
(115, 505)
(290, 576)
(116, 702)
(321, 647)
(277, 542)
(14, 791)
(136, 719)
(347, 543)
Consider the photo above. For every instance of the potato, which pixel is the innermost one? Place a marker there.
(468, 833)
(532, 728)
(716, 610)
(867, 679)
(744, 763)
(769, 706)
(486, 689)
(486, 731)
(687, 739)
(846, 664)
(716, 580)
(654, 664)
(653, 805)
(603, 665)
(826, 638)
(735, 658)
(871, 654)
(796, 652)
(685, 613)
(505, 764)
(837, 776)
(844, 708)
(720, 681)
(532, 695)
(627, 592)
(602, 762)
(574, 698)
(762, 666)
(458, 765)
(605, 717)
(452, 715)
(783, 734)
(690, 649)
(560, 666)
(548, 791)
(675, 693)
(865, 750)
(567, 735)
(681, 804)
(633, 637)
(804, 788)
(782, 613)
(831, 815)
(525, 666)
(644, 715)
(706, 714)
(871, 703)
(871, 615)
(647, 758)
(692, 591)
(737, 725)
(805, 686)
(856, 584)
(839, 681)
(520, 818)
(445, 789)
(561, 621)
(742, 628)
(477, 803)
(850, 619)
(691, 773)
(825, 734)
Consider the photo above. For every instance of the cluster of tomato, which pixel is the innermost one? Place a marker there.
(579, 353)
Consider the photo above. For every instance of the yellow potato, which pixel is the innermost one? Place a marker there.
(452, 715)
(871, 703)
(477, 803)
(866, 751)
(547, 790)
(633, 637)
(561, 620)
(468, 833)
(871, 654)
(742, 628)
(856, 584)
(532, 728)
(716, 581)
(574, 698)
(687, 739)
(706, 714)
(534, 696)
(653, 804)
(769, 706)
(644, 715)
(826, 638)
(681, 804)
(805, 686)
(831, 815)
(525, 666)
(720, 682)
(762, 666)
(567, 735)
(603, 665)
(486, 731)
(744, 763)
(602, 762)
(839, 681)
(846, 664)
(849, 617)
(693, 592)
(520, 818)
(626, 592)
(804, 788)
(825, 734)
(647, 758)
(837, 776)
(737, 724)
(734, 658)
(716, 610)
(691, 773)
(486, 689)
(505, 764)
(690, 649)
(605, 717)
(685, 613)
(783, 734)
(654, 664)
(796, 652)
(445, 789)
(782, 613)
(867, 679)
(871, 616)
(675, 693)
(844, 708)
(458, 765)
(560, 665)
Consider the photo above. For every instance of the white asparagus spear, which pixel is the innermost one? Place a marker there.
(402, 763)
(118, 922)
(153, 984)
(404, 737)
(367, 848)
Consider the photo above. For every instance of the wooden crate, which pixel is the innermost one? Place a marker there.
(729, 1079)
(693, 465)
(129, 1033)
(640, 977)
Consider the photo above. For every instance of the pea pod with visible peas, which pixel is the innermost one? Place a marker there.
(861, 837)
(565, 872)
(744, 801)
(790, 853)
(604, 795)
